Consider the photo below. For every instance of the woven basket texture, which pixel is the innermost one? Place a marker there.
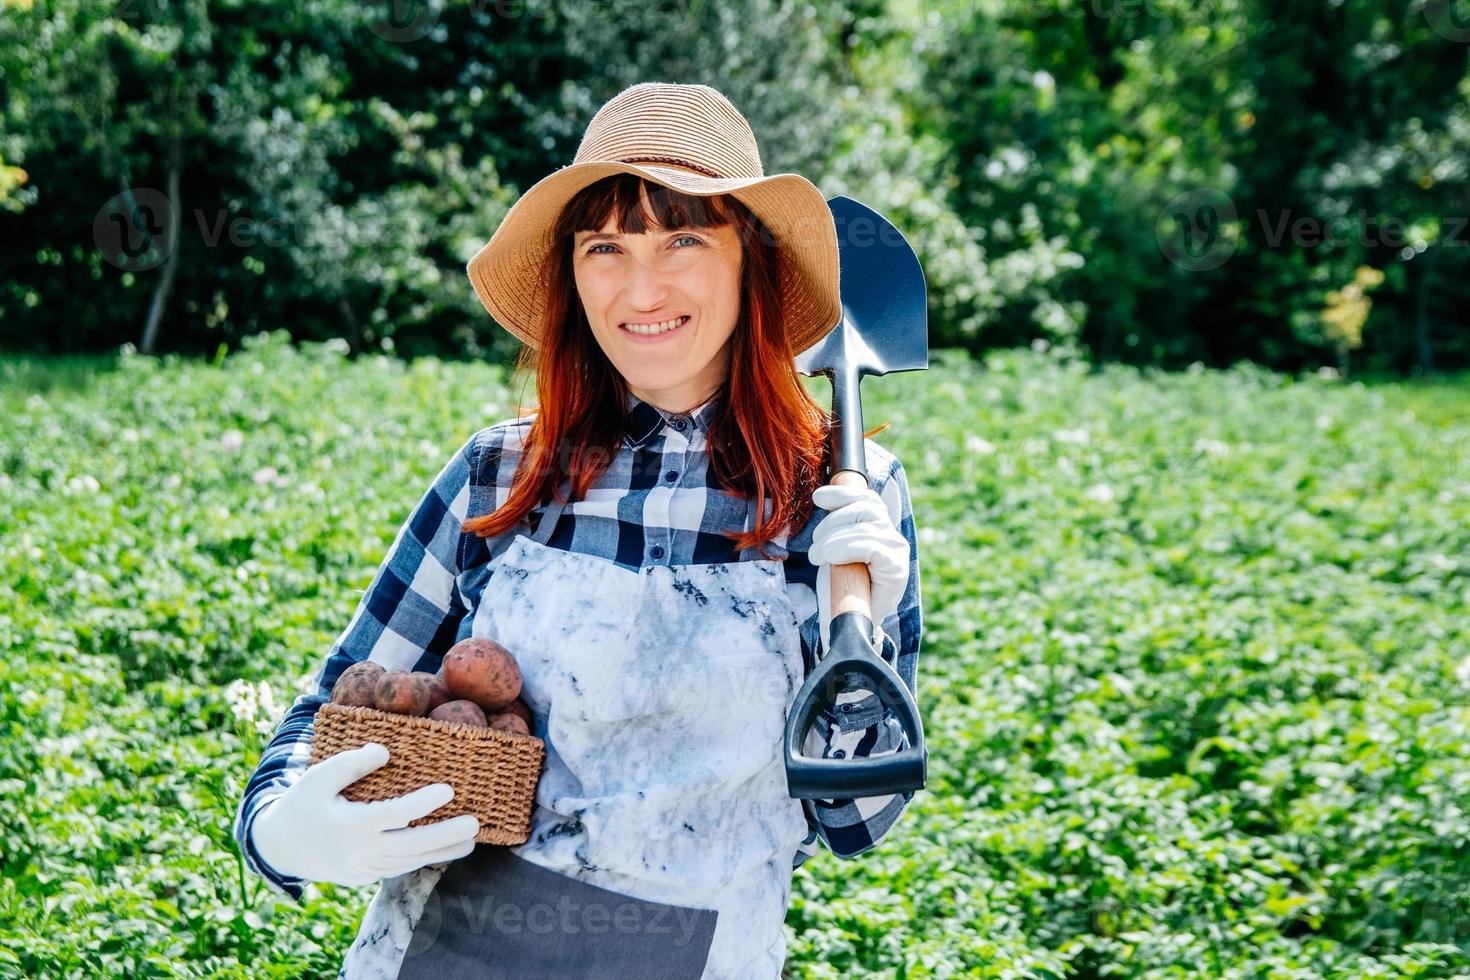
(494, 773)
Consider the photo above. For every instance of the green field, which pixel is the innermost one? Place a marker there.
(1188, 674)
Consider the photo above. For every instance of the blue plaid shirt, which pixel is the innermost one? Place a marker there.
(657, 503)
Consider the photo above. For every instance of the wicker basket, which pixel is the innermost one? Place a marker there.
(494, 773)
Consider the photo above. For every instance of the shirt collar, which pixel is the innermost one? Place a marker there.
(646, 420)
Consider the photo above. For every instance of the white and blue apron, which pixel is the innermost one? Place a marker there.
(662, 835)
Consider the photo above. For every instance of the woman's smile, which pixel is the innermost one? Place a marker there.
(654, 332)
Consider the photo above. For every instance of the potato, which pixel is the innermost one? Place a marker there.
(520, 707)
(482, 671)
(357, 685)
(403, 693)
(509, 721)
(438, 692)
(460, 712)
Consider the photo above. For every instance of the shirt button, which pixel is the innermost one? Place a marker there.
(681, 423)
(671, 475)
(657, 551)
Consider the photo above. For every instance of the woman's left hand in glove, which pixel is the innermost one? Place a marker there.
(859, 528)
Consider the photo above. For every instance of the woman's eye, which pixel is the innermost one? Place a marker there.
(593, 249)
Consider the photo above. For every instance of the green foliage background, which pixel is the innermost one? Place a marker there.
(1062, 167)
(1189, 675)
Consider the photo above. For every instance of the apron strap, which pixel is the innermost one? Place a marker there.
(550, 514)
(753, 514)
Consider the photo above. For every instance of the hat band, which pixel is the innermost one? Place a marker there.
(674, 160)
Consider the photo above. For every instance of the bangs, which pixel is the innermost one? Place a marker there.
(637, 206)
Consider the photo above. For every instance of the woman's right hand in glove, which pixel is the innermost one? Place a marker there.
(314, 833)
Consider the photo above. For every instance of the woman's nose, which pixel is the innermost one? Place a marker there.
(647, 285)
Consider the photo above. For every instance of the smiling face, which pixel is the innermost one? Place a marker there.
(653, 280)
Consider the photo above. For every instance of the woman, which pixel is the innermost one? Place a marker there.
(661, 610)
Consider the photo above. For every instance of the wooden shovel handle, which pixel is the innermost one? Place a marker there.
(852, 588)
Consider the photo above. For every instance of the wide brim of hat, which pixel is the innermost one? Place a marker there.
(508, 273)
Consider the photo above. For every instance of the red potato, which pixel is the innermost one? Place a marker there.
(403, 693)
(357, 687)
(438, 692)
(460, 712)
(509, 721)
(520, 707)
(482, 671)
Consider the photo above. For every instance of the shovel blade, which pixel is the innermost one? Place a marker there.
(885, 309)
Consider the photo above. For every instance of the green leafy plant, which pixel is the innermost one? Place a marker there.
(1192, 674)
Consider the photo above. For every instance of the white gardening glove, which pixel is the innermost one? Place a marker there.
(859, 528)
(314, 833)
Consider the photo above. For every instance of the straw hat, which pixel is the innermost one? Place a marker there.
(691, 139)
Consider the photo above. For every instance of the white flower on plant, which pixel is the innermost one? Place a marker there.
(1324, 421)
(84, 483)
(1077, 437)
(1100, 492)
(1462, 672)
(979, 446)
(269, 476)
(1442, 563)
(250, 702)
(232, 440)
(266, 701)
(241, 696)
(930, 535)
(1211, 447)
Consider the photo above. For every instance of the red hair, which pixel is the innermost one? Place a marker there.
(766, 434)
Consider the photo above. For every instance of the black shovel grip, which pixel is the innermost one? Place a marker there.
(852, 653)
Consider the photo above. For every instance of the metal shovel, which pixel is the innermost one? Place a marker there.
(884, 328)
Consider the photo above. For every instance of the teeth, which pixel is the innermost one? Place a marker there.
(651, 329)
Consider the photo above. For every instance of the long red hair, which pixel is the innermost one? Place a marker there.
(766, 434)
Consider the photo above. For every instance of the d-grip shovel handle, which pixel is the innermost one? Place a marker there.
(851, 652)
